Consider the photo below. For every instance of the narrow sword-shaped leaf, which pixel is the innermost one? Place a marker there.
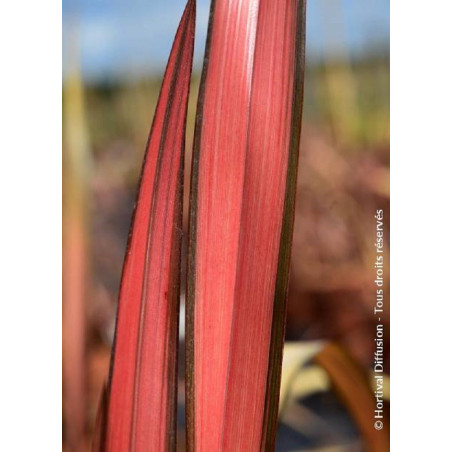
(241, 220)
(142, 389)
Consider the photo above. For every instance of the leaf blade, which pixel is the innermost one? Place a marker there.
(239, 196)
(142, 387)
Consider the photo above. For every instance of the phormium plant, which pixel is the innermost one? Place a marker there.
(242, 193)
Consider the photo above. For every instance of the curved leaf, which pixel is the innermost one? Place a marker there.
(142, 389)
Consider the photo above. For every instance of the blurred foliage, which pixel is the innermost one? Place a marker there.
(350, 101)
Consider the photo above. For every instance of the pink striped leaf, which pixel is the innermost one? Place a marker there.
(141, 414)
(244, 173)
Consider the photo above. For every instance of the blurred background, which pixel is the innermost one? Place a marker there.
(114, 55)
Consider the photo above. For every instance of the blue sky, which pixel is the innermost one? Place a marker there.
(133, 37)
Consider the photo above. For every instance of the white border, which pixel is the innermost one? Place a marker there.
(30, 226)
(421, 173)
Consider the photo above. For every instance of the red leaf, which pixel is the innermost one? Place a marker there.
(142, 399)
(241, 220)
